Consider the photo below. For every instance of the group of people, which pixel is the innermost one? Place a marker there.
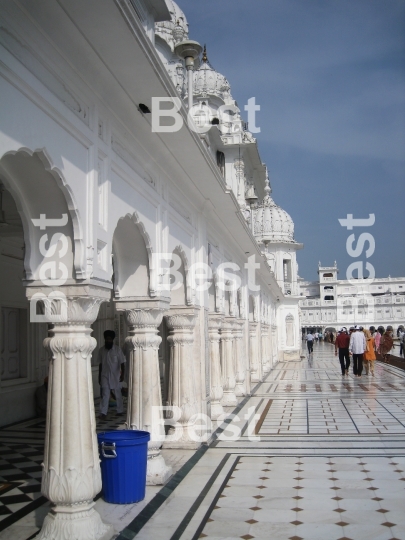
(363, 345)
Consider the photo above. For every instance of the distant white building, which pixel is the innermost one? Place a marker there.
(331, 302)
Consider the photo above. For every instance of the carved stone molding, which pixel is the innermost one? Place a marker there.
(80, 525)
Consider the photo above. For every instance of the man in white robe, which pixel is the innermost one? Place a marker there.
(111, 373)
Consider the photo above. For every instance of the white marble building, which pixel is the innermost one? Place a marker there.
(89, 196)
(333, 303)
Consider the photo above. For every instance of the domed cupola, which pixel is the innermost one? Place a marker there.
(272, 223)
(176, 29)
(208, 82)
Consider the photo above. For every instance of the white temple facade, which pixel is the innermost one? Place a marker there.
(331, 303)
(92, 201)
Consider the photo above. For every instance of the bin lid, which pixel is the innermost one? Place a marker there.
(124, 437)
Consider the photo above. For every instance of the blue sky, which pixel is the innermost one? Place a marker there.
(329, 76)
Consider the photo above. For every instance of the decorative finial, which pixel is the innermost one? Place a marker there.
(267, 188)
(178, 32)
(205, 57)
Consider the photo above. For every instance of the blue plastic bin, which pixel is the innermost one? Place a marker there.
(124, 457)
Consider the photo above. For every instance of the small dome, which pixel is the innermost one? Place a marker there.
(208, 82)
(176, 29)
(272, 223)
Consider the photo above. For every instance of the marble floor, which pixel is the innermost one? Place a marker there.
(309, 455)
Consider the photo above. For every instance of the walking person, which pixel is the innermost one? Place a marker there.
(342, 347)
(377, 337)
(386, 343)
(403, 343)
(310, 343)
(401, 335)
(111, 373)
(357, 346)
(369, 356)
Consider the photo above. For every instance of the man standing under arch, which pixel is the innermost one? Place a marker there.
(111, 373)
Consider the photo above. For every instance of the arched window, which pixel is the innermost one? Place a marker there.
(328, 274)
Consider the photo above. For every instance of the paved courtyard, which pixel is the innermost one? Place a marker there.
(319, 456)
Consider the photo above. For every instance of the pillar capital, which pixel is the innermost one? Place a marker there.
(182, 318)
(215, 321)
(67, 305)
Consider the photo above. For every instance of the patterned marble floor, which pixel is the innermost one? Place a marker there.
(315, 456)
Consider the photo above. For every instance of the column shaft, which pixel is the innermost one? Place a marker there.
(71, 469)
(240, 388)
(217, 392)
(182, 379)
(228, 363)
(254, 353)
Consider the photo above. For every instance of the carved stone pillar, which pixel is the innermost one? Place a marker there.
(255, 370)
(71, 469)
(182, 378)
(144, 410)
(274, 345)
(265, 350)
(240, 388)
(217, 392)
(228, 363)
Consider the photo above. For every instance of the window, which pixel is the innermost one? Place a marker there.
(287, 270)
(329, 297)
(221, 162)
(14, 343)
(328, 275)
(328, 288)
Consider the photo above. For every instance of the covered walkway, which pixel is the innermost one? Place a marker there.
(310, 455)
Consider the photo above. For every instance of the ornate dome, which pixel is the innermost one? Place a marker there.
(208, 82)
(272, 223)
(174, 30)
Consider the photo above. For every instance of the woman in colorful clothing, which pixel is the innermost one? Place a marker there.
(377, 337)
(369, 354)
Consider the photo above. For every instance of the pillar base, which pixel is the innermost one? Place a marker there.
(185, 445)
(216, 411)
(158, 472)
(181, 438)
(67, 525)
(229, 399)
(240, 390)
